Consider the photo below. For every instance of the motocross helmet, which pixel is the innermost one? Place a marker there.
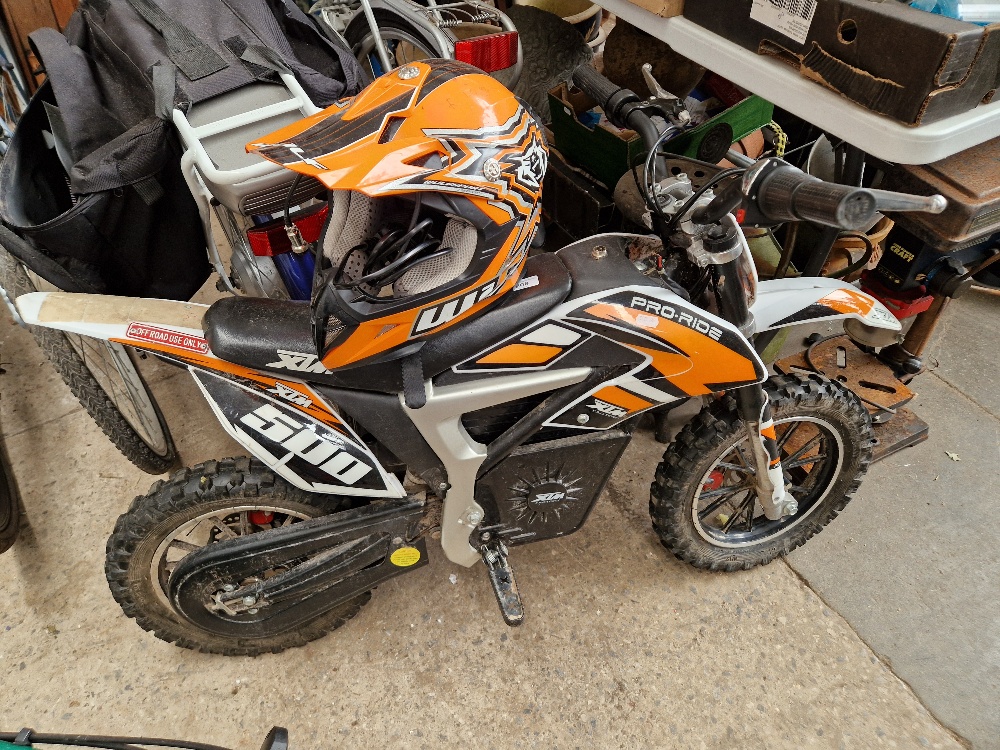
(435, 176)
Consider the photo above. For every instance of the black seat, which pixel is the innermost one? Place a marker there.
(276, 335)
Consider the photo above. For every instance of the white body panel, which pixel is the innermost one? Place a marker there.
(781, 299)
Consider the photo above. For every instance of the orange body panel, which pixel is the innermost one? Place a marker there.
(704, 360)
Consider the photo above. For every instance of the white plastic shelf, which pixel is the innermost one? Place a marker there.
(777, 82)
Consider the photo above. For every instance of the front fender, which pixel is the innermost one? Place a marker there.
(788, 302)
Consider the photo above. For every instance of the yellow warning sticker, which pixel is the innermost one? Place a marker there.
(404, 557)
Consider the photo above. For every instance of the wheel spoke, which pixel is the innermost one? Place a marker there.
(731, 490)
(803, 449)
(743, 458)
(788, 433)
(803, 461)
(227, 533)
(735, 467)
(749, 502)
(714, 506)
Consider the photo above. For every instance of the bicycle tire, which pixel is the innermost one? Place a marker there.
(10, 508)
(94, 397)
(360, 38)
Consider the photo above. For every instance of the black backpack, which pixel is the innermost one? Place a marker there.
(91, 181)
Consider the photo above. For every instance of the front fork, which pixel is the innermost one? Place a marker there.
(723, 243)
(755, 411)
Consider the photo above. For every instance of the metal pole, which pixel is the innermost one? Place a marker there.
(383, 54)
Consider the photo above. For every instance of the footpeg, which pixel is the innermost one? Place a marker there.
(504, 585)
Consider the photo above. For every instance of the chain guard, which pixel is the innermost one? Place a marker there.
(230, 588)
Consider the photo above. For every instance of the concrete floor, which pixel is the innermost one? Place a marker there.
(623, 646)
(912, 562)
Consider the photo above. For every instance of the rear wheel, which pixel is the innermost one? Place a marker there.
(202, 505)
(703, 503)
(105, 379)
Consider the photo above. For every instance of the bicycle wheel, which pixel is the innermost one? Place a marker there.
(11, 103)
(403, 42)
(10, 510)
(105, 379)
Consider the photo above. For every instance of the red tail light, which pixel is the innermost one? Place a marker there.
(270, 239)
(489, 53)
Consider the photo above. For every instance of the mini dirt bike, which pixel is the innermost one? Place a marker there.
(442, 383)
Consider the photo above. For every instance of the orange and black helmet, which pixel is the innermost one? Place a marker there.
(435, 175)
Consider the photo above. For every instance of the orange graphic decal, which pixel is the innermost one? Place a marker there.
(615, 395)
(847, 301)
(704, 360)
(521, 354)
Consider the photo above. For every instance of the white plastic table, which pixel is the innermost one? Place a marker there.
(780, 84)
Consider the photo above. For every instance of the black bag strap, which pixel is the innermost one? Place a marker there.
(191, 55)
(88, 123)
(42, 264)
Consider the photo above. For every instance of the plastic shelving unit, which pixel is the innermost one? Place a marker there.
(879, 136)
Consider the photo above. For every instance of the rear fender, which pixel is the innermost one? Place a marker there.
(151, 324)
(788, 302)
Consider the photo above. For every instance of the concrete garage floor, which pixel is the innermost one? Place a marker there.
(623, 646)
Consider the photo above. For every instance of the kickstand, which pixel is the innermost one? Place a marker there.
(504, 585)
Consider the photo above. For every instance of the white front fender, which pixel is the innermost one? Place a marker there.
(788, 302)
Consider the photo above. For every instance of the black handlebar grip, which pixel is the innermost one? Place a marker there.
(788, 194)
(599, 88)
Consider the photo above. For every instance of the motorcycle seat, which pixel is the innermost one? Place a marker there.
(255, 331)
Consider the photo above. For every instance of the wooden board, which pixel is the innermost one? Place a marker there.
(25, 16)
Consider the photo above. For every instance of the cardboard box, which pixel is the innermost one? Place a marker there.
(608, 153)
(914, 66)
(970, 180)
(663, 8)
(604, 151)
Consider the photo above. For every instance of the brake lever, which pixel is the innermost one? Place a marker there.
(671, 106)
(897, 202)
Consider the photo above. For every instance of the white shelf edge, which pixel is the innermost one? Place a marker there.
(879, 136)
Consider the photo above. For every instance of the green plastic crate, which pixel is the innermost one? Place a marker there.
(608, 155)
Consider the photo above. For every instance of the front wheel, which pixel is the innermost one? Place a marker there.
(703, 503)
(203, 505)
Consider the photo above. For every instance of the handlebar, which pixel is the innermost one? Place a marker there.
(596, 86)
(781, 192)
(619, 104)
(772, 190)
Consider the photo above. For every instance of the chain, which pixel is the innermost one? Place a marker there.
(780, 139)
